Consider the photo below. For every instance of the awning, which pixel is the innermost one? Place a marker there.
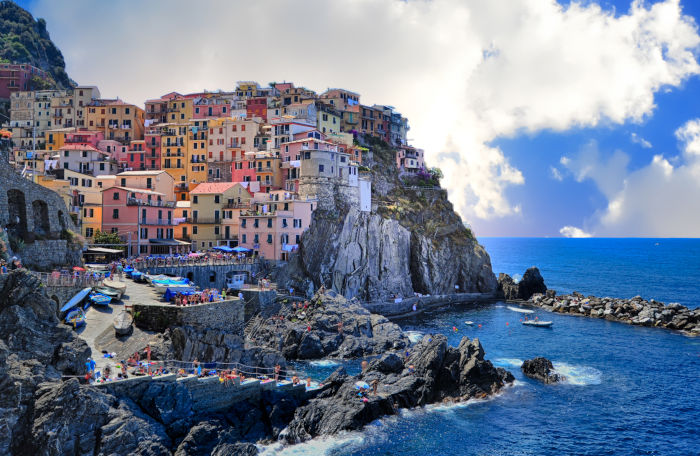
(168, 242)
(240, 249)
(103, 250)
(289, 247)
(224, 248)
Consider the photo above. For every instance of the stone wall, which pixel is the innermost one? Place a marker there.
(224, 171)
(202, 275)
(326, 190)
(45, 255)
(221, 315)
(423, 303)
(262, 302)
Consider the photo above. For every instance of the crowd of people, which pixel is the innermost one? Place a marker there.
(14, 263)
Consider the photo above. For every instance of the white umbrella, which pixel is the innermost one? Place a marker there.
(361, 385)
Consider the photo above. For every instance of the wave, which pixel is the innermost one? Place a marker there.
(414, 336)
(579, 375)
(507, 362)
(347, 441)
(324, 363)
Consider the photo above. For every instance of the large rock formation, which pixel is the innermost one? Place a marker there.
(541, 369)
(432, 373)
(312, 332)
(531, 283)
(411, 241)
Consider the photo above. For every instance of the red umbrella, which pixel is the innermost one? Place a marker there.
(78, 268)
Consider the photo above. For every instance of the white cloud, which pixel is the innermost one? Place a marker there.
(608, 174)
(660, 199)
(635, 138)
(573, 232)
(465, 72)
(556, 174)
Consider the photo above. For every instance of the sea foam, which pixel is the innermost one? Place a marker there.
(324, 363)
(578, 375)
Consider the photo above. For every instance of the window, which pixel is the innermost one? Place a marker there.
(115, 196)
(114, 230)
(195, 214)
(320, 168)
(243, 239)
(297, 239)
(269, 223)
(284, 223)
(195, 199)
(216, 230)
(243, 224)
(256, 239)
(115, 213)
(269, 239)
(126, 110)
(102, 166)
(194, 229)
(88, 232)
(217, 198)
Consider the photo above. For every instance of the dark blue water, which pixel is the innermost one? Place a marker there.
(667, 270)
(630, 390)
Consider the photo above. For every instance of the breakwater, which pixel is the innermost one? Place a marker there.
(634, 311)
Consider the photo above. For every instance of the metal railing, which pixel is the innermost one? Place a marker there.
(68, 279)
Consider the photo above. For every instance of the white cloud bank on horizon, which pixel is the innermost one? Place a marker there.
(465, 72)
(657, 200)
(573, 232)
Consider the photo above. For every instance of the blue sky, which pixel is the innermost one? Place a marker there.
(554, 114)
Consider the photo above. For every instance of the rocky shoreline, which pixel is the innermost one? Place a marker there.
(635, 311)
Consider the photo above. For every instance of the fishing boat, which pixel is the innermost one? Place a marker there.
(77, 299)
(111, 292)
(521, 310)
(75, 318)
(100, 299)
(122, 323)
(539, 324)
(176, 287)
(115, 285)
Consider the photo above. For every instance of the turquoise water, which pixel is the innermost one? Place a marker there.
(629, 390)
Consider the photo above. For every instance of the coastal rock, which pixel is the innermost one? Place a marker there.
(541, 369)
(635, 311)
(433, 372)
(531, 283)
(507, 287)
(311, 330)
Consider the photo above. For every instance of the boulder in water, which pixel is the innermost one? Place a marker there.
(541, 369)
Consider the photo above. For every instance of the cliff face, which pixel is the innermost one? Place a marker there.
(411, 241)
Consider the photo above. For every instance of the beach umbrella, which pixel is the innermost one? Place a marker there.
(361, 385)
(78, 268)
(241, 249)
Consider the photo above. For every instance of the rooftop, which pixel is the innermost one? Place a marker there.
(212, 187)
(141, 173)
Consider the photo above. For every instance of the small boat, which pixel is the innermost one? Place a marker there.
(469, 322)
(521, 310)
(75, 318)
(77, 299)
(122, 323)
(540, 324)
(115, 285)
(100, 299)
(111, 292)
(161, 288)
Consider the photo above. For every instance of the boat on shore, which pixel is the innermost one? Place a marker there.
(76, 318)
(122, 323)
(111, 292)
(77, 299)
(537, 323)
(100, 299)
(521, 310)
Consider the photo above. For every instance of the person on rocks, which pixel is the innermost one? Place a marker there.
(364, 365)
(295, 380)
(308, 382)
(277, 371)
(340, 327)
(374, 385)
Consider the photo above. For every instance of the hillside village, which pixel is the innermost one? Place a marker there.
(245, 168)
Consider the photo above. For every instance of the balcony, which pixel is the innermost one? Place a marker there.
(236, 205)
(205, 220)
(166, 222)
(151, 203)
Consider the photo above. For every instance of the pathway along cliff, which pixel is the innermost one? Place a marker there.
(411, 242)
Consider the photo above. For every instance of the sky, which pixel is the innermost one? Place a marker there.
(570, 118)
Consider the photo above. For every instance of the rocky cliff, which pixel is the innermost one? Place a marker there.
(411, 241)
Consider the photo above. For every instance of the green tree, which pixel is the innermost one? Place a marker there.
(436, 174)
(103, 238)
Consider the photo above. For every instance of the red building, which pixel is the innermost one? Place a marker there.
(18, 76)
(151, 148)
(256, 107)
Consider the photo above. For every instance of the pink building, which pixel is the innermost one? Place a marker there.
(274, 226)
(91, 137)
(211, 107)
(410, 159)
(18, 76)
(142, 218)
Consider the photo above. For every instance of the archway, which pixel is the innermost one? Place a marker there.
(212, 276)
(17, 213)
(190, 276)
(40, 212)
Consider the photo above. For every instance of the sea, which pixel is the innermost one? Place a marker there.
(628, 390)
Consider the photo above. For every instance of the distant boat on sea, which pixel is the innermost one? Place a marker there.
(521, 310)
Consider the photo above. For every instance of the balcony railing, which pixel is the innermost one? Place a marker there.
(152, 203)
(156, 221)
(236, 205)
(205, 220)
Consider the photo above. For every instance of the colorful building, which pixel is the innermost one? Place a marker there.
(119, 120)
(15, 77)
(211, 204)
(86, 159)
(410, 159)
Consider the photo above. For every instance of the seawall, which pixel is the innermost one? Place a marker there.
(220, 315)
(205, 276)
(404, 308)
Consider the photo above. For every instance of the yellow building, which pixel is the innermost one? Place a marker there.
(118, 120)
(328, 120)
(197, 151)
(91, 220)
(173, 152)
(180, 110)
(211, 204)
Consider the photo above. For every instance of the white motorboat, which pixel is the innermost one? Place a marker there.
(521, 310)
(540, 324)
(161, 287)
(469, 322)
